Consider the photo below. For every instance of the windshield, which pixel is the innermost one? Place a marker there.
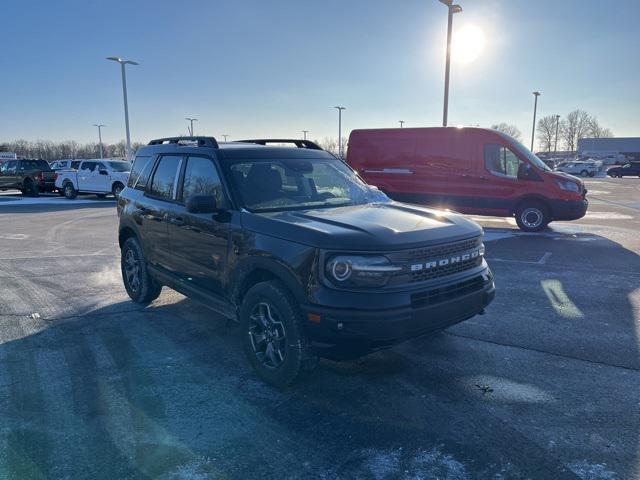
(290, 184)
(533, 159)
(119, 166)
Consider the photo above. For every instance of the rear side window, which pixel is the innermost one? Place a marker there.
(165, 177)
(201, 178)
(140, 172)
(42, 165)
(501, 161)
(91, 166)
(75, 164)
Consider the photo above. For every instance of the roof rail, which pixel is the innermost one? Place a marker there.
(201, 141)
(297, 142)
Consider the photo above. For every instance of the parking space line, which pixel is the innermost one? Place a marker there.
(541, 261)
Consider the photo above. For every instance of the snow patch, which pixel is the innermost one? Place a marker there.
(592, 471)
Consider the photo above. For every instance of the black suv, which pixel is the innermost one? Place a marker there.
(312, 261)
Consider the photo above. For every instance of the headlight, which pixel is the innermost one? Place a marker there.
(359, 271)
(568, 186)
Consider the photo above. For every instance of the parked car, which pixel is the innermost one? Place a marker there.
(64, 164)
(27, 175)
(582, 168)
(290, 242)
(629, 170)
(471, 170)
(101, 177)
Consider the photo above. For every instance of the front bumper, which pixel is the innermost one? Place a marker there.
(352, 332)
(569, 209)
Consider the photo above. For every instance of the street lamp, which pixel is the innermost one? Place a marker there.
(304, 132)
(124, 94)
(225, 137)
(401, 122)
(453, 8)
(555, 146)
(99, 136)
(340, 109)
(191, 120)
(535, 108)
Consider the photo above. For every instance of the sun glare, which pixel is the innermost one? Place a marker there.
(467, 44)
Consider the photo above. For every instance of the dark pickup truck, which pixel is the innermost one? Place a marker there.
(29, 176)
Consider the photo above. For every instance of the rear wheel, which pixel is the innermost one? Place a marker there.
(30, 188)
(273, 335)
(532, 216)
(69, 191)
(584, 173)
(140, 286)
(116, 189)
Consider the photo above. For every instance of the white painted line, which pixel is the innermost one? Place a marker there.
(544, 258)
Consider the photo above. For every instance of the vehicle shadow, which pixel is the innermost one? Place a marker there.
(530, 390)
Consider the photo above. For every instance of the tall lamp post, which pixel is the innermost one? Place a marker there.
(401, 122)
(535, 109)
(191, 120)
(99, 136)
(225, 137)
(340, 109)
(124, 94)
(453, 8)
(555, 145)
(304, 132)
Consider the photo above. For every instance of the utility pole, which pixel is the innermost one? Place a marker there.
(555, 146)
(340, 109)
(124, 95)
(535, 109)
(99, 137)
(452, 8)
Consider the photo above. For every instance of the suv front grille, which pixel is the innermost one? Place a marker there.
(413, 260)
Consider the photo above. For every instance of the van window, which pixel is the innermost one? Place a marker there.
(140, 172)
(164, 178)
(501, 161)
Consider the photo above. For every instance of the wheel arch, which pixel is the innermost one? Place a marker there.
(125, 233)
(263, 270)
(530, 198)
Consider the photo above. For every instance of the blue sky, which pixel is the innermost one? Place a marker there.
(272, 68)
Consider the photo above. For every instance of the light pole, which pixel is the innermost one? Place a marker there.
(340, 109)
(191, 120)
(555, 145)
(453, 8)
(124, 94)
(401, 122)
(225, 137)
(304, 132)
(535, 108)
(99, 136)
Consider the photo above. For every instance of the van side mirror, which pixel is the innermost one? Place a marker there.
(202, 204)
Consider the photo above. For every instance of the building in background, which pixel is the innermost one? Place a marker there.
(8, 156)
(619, 150)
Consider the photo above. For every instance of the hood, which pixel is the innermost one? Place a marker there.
(384, 226)
(566, 176)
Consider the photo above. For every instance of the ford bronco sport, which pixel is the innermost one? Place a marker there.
(312, 261)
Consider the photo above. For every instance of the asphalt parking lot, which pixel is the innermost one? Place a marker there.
(546, 384)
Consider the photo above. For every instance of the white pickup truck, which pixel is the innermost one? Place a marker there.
(101, 177)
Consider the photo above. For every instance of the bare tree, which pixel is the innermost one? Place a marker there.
(330, 144)
(574, 127)
(546, 130)
(595, 130)
(509, 129)
(48, 150)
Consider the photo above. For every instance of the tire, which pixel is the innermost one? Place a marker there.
(592, 174)
(116, 189)
(140, 286)
(532, 216)
(584, 173)
(30, 188)
(69, 191)
(273, 335)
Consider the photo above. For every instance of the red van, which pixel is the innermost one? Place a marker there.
(472, 170)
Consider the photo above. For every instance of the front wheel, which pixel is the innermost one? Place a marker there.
(273, 335)
(140, 286)
(69, 191)
(532, 217)
(584, 173)
(117, 189)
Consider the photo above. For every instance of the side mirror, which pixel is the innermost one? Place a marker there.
(104, 172)
(202, 204)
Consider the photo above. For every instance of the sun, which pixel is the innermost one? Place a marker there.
(467, 44)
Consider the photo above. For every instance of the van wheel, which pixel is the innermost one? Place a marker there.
(584, 173)
(592, 174)
(69, 191)
(30, 188)
(140, 286)
(117, 188)
(532, 217)
(273, 335)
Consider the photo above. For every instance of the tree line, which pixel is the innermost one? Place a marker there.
(574, 126)
(68, 149)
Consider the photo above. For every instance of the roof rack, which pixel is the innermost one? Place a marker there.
(297, 142)
(201, 141)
